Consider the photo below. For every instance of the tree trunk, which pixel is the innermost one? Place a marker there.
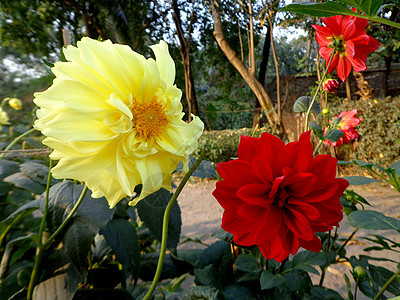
(262, 74)
(257, 88)
(184, 48)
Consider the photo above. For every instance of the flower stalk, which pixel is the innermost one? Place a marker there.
(165, 224)
(387, 284)
(316, 93)
(16, 140)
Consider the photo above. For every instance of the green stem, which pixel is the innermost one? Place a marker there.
(355, 289)
(40, 250)
(65, 222)
(316, 92)
(16, 140)
(317, 148)
(348, 240)
(387, 284)
(46, 206)
(165, 224)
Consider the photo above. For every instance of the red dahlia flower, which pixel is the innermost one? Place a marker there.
(347, 124)
(345, 39)
(278, 196)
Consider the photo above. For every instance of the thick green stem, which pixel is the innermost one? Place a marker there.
(165, 224)
(16, 140)
(41, 248)
(46, 205)
(316, 92)
(387, 284)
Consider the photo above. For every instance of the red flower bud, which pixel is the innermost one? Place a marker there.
(331, 85)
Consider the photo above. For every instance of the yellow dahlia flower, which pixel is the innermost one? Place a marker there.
(114, 119)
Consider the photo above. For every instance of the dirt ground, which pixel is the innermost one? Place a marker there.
(201, 216)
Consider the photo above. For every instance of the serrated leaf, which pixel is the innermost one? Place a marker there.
(195, 292)
(217, 255)
(369, 7)
(151, 212)
(310, 258)
(360, 180)
(373, 220)
(303, 103)
(247, 263)
(122, 237)
(269, 280)
(188, 255)
(333, 135)
(382, 275)
(317, 130)
(326, 9)
(70, 256)
(308, 269)
(23, 181)
(322, 293)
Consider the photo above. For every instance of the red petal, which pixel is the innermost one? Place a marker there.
(299, 184)
(247, 147)
(262, 168)
(225, 193)
(269, 148)
(304, 208)
(268, 227)
(323, 166)
(348, 27)
(344, 68)
(243, 239)
(314, 245)
(255, 194)
(238, 172)
(334, 24)
(298, 224)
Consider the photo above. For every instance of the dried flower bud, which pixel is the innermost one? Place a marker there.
(331, 85)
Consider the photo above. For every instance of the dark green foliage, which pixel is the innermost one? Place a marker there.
(303, 103)
(374, 220)
(122, 237)
(151, 212)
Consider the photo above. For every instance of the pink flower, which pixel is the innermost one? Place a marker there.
(347, 124)
(345, 39)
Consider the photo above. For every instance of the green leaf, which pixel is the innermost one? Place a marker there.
(348, 285)
(269, 280)
(321, 293)
(331, 8)
(151, 212)
(188, 255)
(68, 263)
(247, 263)
(308, 269)
(9, 285)
(303, 103)
(326, 9)
(122, 237)
(317, 130)
(360, 180)
(219, 256)
(333, 135)
(235, 291)
(23, 181)
(60, 286)
(381, 275)
(195, 292)
(396, 167)
(62, 55)
(373, 220)
(309, 258)
(369, 7)
(8, 167)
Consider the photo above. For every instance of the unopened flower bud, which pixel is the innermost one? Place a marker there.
(15, 103)
(325, 111)
(359, 272)
(331, 85)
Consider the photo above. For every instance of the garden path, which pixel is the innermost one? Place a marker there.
(201, 216)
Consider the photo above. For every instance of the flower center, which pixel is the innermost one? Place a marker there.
(338, 44)
(148, 118)
(281, 197)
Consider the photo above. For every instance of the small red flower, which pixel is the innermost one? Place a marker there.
(347, 124)
(278, 196)
(331, 85)
(345, 39)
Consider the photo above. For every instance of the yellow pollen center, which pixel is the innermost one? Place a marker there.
(148, 118)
